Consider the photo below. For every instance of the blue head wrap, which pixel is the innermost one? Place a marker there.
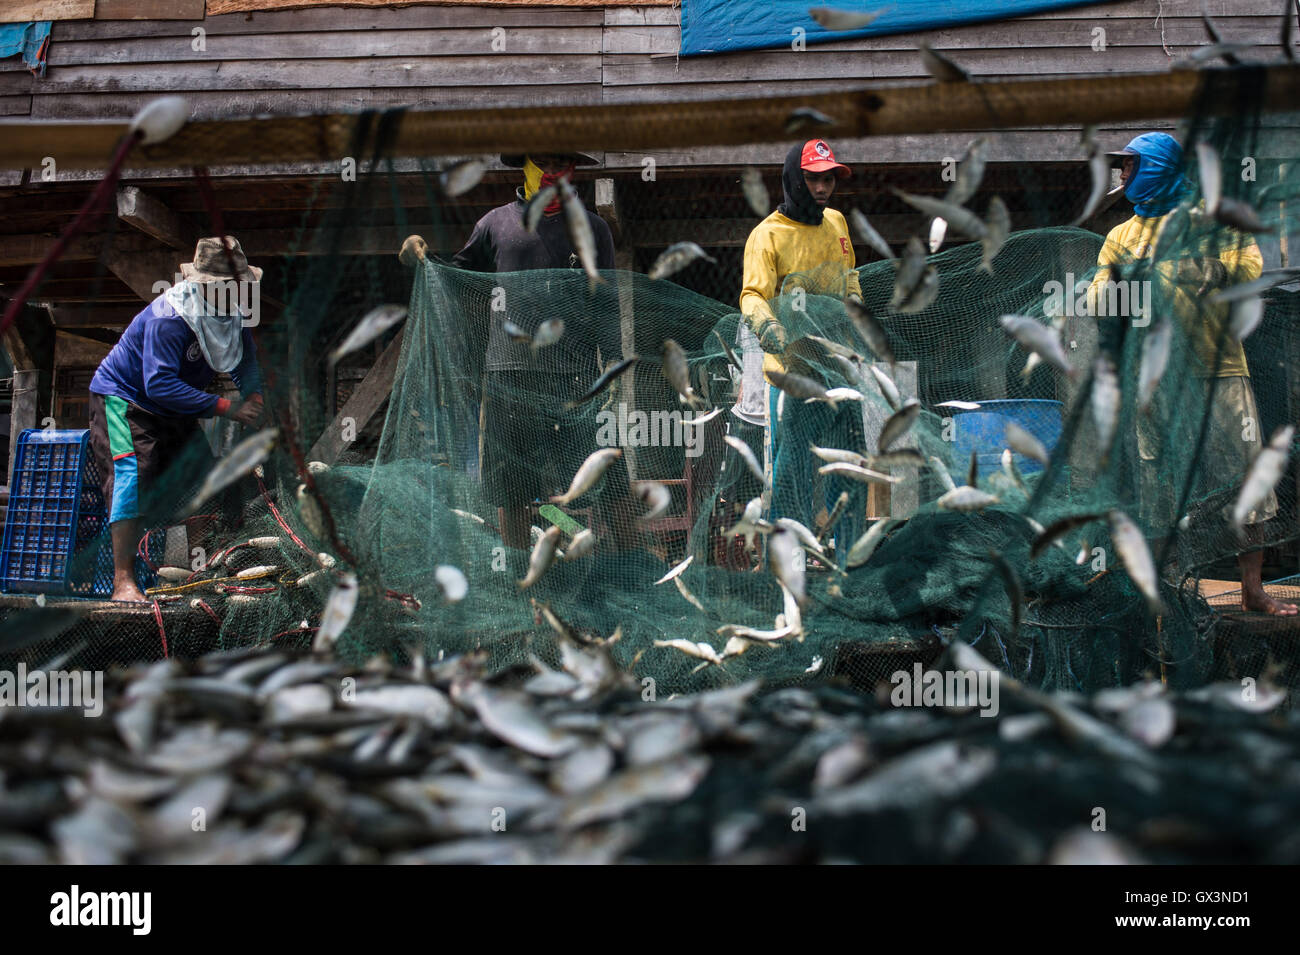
(1157, 182)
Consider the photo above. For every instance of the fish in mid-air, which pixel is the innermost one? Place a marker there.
(461, 177)
(756, 194)
(372, 325)
(244, 457)
(580, 234)
(588, 474)
(677, 371)
(542, 557)
(676, 257)
(833, 19)
(940, 67)
(1264, 473)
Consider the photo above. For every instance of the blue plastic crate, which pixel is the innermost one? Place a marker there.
(56, 513)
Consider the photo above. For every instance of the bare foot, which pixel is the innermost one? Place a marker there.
(1263, 603)
(129, 593)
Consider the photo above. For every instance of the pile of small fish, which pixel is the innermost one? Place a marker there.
(252, 755)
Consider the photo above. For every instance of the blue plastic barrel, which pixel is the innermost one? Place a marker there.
(984, 431)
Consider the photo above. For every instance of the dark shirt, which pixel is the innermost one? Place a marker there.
(500, 243)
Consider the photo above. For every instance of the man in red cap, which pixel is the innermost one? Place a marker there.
(802, 244)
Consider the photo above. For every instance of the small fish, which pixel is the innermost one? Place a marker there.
(910, 270)
(836, 395)
(850, 370)
(1204, 54)
(806, 537)
(536, 207)
(452, 583)
(750, 522)
(834, 349)
(583, 543)
(1024, 443)
(1264, 473)
(243, 458)
(701, 419)
(677, 370)
(1105, 400)
(866, 545)
(1059, 529)
(797, 386)
(1244, 290)
(516, 333)
(459, 178)
(839, 456)
(702, 651)
(1099, 171)
(1033, 336)
(580, 234)
(938, 232)
(1155, 358)
(730, 353)
(1150, 721)
(870, 235)
(959, 405)
(603, 382)
(941, 471)
(837, 511)
(1211, 172)
(676, 257)
(998, 227)
(690, 597)
(970, 172)
(898, 424)
(548, 333)
(940, 67)
(1233, 696)
(1136, 556)
(468, 516)
(747, 455)
(899, 457)
(654, 496)
(588, 474)
(372, 325)
(1245, 317)
(510, 716)
(957, 216)
(922, 776)
(888, 389)
(1240, 216)
(671, 780)
(339, 607)
(920, 297)
(676, 571)
(966, 498)
(1009, 468)
(833, 19)
(542, 557)
(857, 473)
(756, 194)
(1011, 583)
(804, 117)
(870, 329)
(735, 631)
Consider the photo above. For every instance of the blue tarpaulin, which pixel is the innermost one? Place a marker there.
(27, 39)
(714, 26)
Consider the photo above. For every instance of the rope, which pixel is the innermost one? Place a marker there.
(157, 615)
(203, 605)
(266, 496)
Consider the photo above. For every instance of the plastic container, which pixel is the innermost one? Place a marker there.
(57, 513)
(984, 431)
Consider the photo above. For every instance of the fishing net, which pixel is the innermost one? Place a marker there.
(457, 475)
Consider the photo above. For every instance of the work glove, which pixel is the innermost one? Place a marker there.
(771, 338)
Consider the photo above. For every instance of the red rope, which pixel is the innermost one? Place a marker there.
(203, 605)
(157, 615)
(142, 551)
(285, 633)
(266, 496)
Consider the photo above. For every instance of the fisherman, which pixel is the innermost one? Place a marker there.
(1152, 180)
(803, 244)
(147, 396)
(530, 446)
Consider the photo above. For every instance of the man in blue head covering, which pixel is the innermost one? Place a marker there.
(1153, 180)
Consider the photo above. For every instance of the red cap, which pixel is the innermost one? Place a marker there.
(817, 157)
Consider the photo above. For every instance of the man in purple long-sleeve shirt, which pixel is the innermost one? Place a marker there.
(148, 393)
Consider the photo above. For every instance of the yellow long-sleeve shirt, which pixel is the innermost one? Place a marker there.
(1133, 240)
(821, 256)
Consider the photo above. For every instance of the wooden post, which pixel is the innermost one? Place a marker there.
(23, 414)
(367, 398)
(625, 263)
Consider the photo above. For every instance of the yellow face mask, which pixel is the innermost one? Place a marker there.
(532, 178)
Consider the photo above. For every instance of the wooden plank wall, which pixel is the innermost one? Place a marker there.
(443, 56)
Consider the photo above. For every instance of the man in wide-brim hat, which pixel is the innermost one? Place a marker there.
(148, 394)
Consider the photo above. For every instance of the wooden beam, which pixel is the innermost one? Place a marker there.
(150, 9)
(93, 316)
(152, 217)
(140, 271)
(366, 399)
(715, 233)
(26, 11)
(19, 355)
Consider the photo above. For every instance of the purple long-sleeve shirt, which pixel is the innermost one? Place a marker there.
(157, 365)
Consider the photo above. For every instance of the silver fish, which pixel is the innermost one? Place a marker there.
(998, 228)
(1264, 473)
(750, 522)
(787, 560)
(866, 545)
(1241, 216)
(584, 542)
(1099, 171)
(676, 257)
(1136, 556)
(733, 631)
(898, 424)
(655, 496)
(542, 557)
(588, 474)
(940, 67)
(580, 234)
(970, 172)
(1013, 472)
(1211, 171)
(941, 471)
(702, 651)
(959, 405)
(1204, 54)
(1244, 290)
(955, 215)
(677, 570)
(668, 781)
(839, 456)
(548, 333)
(923, 294)
(756, 194)
(871, 330)
(887, 388)
(804, 117)
(1233, 696)
(1245, 317)
(339, 607)
(375, 322)
(837, 511)
(899, 457)
(516, 333)
(937, 771)
(806, 537)
(677, 370)
(1105, 401)
(833, 348)
(836, 395)
(604, 381)
(966, 498)
(587, 766)
(511, 717)
(747, 455)
(689, 597)
(1150, 721)
(536, 206)
(833, 19)
(797, 386)
(414, 700)
(245, 456)
(1033, 336)
(910, 270)
(865, 475)
(869, 234)
(730, 353)
(1024, 443)
(1155, 359)
(459, 178)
